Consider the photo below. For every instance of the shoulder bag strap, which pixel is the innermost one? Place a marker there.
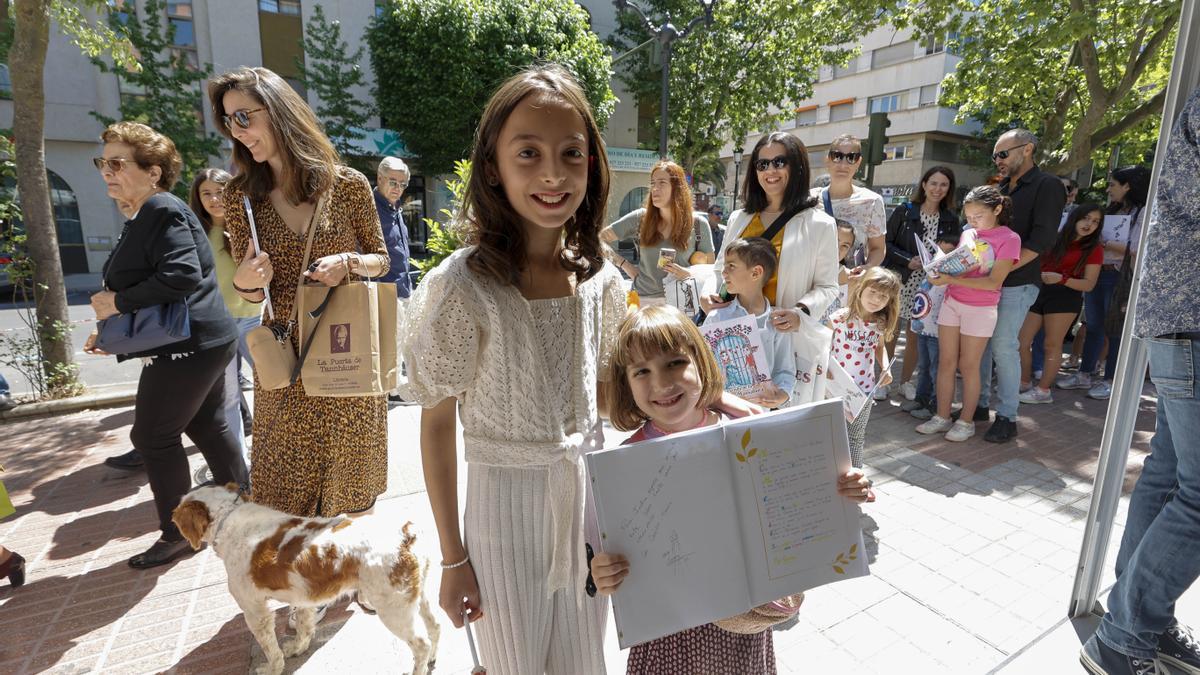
(827, 201)
(313, 224)
(770, 232)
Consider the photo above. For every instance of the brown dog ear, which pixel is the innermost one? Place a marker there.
(192, 518)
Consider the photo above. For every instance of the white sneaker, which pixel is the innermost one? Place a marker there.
(1101, 392)
(908, 390)
(881, 393)
(1036, 395)
(1080, 380)
(935, 425)
(317, 616)
(961, 431)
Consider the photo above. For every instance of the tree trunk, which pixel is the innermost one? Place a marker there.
(27, 62)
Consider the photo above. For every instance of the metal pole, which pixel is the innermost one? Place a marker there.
(664, 103)
(737, 169)
(1131, 362)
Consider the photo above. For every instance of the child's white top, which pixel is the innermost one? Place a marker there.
(854, 345)
(778, 346)
(479, 340)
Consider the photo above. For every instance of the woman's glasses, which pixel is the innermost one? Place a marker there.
(773, 163)
(239, 117)
(847, 157)
(115, 164)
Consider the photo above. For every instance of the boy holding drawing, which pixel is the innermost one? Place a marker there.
(749, 264)
(663, 379)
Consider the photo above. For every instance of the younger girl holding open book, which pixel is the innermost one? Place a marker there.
(663, 379)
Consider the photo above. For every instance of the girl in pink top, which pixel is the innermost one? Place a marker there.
(968, 314)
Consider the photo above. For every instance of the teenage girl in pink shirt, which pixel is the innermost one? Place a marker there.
(968, 314)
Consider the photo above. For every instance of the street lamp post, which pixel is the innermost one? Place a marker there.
(737, 170)
(666, 34)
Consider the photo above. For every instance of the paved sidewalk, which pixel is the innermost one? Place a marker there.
(975, 550)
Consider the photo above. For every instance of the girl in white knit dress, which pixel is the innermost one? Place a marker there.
(508, 335)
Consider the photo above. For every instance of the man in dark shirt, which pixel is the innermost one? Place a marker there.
(1038, 199)
(391, 182)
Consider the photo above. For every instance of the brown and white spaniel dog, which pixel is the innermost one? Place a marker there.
(305, 562)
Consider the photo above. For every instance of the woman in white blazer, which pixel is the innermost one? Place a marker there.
(807, 280)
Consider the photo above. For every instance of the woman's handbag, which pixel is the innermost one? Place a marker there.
(144, 329)
(763, 617)
(271, 345)
(699, 257)
(6, 505)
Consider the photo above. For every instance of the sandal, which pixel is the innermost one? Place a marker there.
(161, 553)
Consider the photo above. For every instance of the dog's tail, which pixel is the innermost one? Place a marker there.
(410, 537)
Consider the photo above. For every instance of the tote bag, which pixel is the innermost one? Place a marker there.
(349, 339)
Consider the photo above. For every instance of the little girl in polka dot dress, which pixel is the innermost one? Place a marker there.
(861, 331)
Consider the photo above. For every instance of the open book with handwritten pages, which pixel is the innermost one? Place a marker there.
(722, 519)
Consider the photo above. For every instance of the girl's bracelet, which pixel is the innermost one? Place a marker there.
(460, 563)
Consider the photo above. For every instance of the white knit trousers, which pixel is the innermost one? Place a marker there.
(524, 631)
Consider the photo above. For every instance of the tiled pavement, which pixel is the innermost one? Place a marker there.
(977, 546)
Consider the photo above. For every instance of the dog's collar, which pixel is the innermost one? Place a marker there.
(225, 516)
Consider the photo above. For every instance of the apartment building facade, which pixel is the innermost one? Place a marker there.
(228, 34)
(902, 77)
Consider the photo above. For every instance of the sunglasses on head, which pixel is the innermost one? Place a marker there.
(848, 157)
(773, 163)
(239, 117)
(115, 164)
(1003, 154)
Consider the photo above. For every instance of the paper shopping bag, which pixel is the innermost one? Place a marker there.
(348, 335)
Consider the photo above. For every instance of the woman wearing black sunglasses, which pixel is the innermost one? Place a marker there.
(312, 455)
(163, 257)
(777, 186)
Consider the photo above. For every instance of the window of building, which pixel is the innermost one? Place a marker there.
(179, 9)
(291, 7)
(886, 103)
(380, 7)
(935, 46)
(850, 68)
(894, 152)
(841, 111)
(298, 86)
(886, 56)
(806, 118)
(634, 199)
(942, 151)
(72, 253)
(929, 94)
(5, 82)
(185, 35)
(816, 160)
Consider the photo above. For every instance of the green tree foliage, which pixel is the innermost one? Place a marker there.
(1082, 74)
(329, 71)
(165, 92)
(27, 67)
(445, 236)
(746, 71)
(436, 62)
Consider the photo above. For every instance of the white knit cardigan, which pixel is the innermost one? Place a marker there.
(471, 337)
